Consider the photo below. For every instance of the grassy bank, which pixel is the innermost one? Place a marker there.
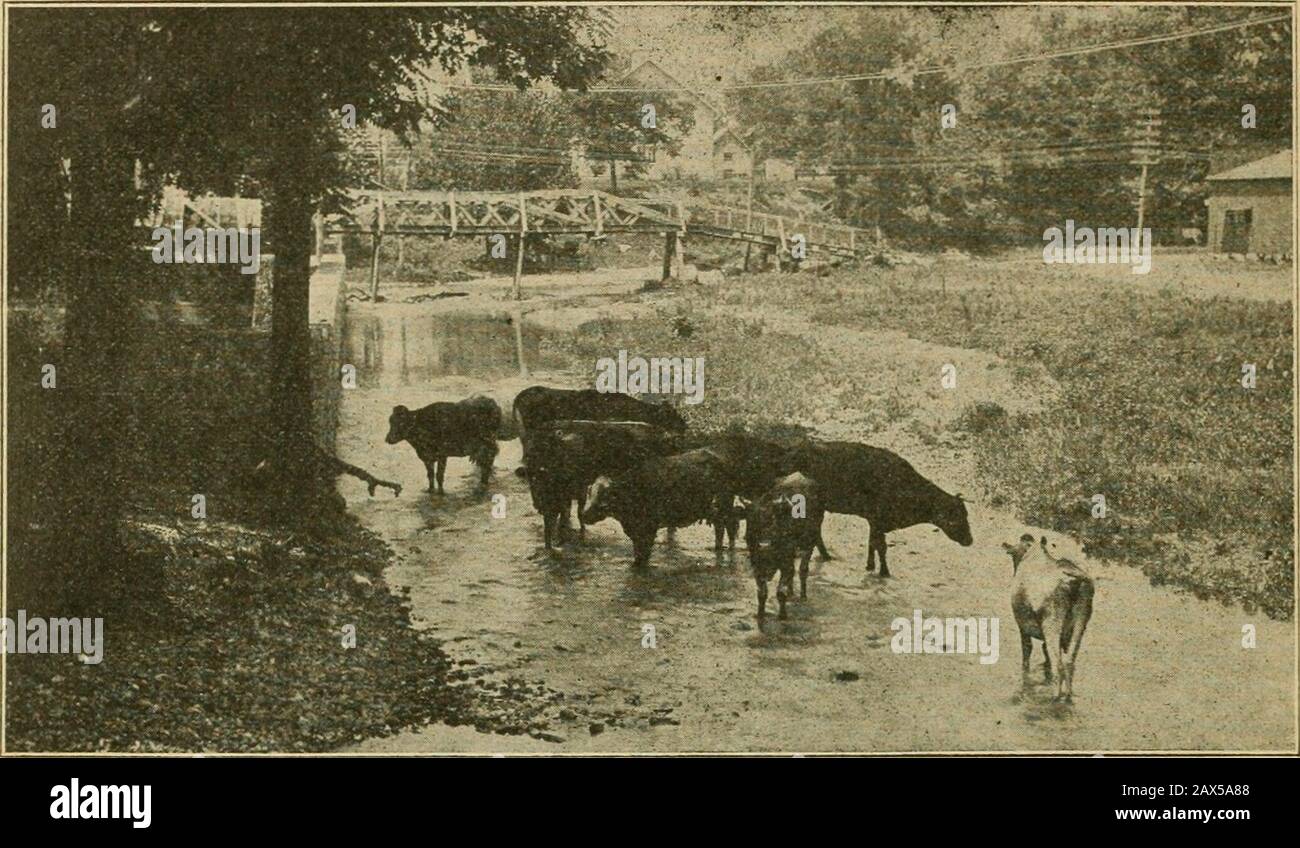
(234, 635)
(1196, 470)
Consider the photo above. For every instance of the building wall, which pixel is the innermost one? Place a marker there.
(695, 159)
(1271, 223)
(730, 158)
(778, 171)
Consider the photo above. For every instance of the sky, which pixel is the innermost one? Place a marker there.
(711, 46)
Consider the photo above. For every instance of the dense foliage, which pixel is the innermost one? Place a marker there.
(1050, 140)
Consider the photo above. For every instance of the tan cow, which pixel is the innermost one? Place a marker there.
(1052, 601)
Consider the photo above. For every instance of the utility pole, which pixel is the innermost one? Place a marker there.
(1144, 153)
(406, 184)
(749, 202)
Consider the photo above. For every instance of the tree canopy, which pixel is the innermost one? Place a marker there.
(1064, 127)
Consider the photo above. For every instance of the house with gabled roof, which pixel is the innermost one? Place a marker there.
(714, 145)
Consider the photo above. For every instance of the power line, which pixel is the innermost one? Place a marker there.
(923, 71)
(1019, 159)
(1015, 60)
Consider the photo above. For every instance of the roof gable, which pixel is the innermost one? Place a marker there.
(648, 73)
(1275, 167)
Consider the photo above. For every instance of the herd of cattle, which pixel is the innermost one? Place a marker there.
(615, 456)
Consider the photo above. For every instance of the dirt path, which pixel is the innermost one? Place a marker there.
(1158, 670)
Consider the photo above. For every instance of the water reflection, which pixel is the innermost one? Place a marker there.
(400, 350)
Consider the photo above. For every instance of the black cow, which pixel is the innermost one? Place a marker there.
(567, 456)
(783, 523)
(881, 487)
(538, 405)
(671, 491)
(756, 463)
(439, 430)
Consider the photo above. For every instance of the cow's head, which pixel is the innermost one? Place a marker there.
(600, 500)
(667, 418)
(1018, 550)
(952, 520)
(759, 524)
(399, 424)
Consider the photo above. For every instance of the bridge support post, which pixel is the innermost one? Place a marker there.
(519, 264)
(319, 221)
(374, 268)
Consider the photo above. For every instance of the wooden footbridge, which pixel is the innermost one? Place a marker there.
(381, 213)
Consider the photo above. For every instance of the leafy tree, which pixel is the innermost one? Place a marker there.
(1063, 127)
(616, 125)
(497, 141)
(219, 98)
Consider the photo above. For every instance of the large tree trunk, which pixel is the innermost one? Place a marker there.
(92, 376)
(290, 223)
(290, 233)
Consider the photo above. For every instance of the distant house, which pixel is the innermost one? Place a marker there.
(731, 157)
(700, 154)
(1250, 207)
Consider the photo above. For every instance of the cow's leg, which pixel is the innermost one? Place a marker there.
(761, 582)
(642, 545)
(803, 574)
(562, 529)
(1026, 654)
(570, 495)
(441, 466)
(582, 504)
(1047, 665)
(724, 507)
(1052, 641)
(784, 586)
(548, 527)
(486, 457)
(881, 546)
(431, 471)
(1080, 612)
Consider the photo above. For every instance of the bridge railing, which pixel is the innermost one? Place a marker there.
(451, 212)
(743, 222)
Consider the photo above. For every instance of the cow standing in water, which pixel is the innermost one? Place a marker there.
(881, 487)
(537, 406)
(1052, 601)
(567, 456)
(670, 491)
(441, 430)
(783, 525)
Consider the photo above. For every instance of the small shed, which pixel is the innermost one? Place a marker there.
(1250, 208)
